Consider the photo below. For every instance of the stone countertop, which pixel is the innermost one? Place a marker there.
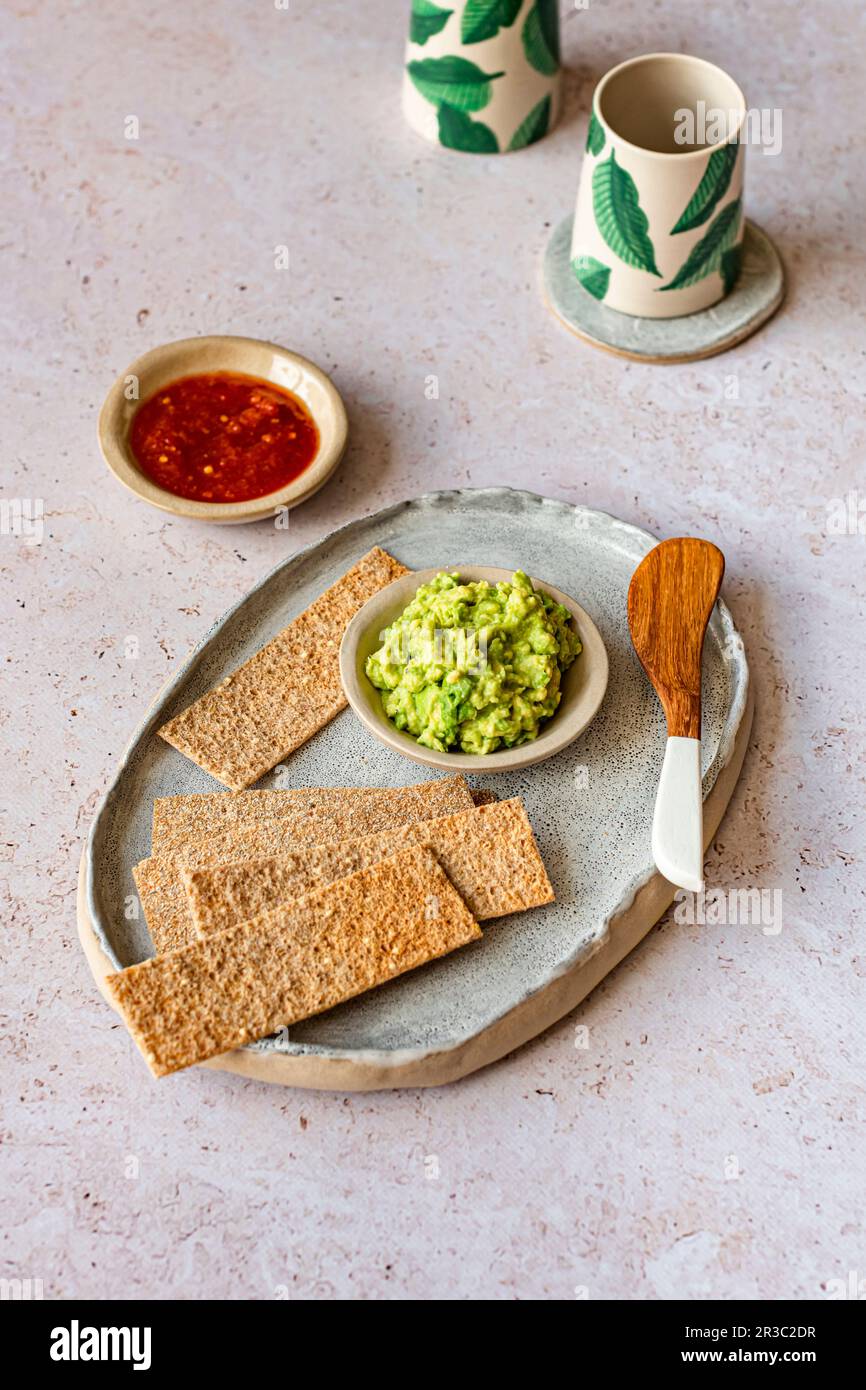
(708, 1139)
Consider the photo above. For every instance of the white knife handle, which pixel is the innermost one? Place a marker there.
(678, 823)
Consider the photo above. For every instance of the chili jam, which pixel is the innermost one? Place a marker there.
(223, 437)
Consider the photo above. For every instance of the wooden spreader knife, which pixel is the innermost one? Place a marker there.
(670, 600)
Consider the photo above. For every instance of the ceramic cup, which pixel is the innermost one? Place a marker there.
(482, 76)
(658, 226)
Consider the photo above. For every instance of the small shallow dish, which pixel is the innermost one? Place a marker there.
(251, 357)
(583, 684)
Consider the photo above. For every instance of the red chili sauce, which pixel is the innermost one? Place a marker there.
(223, 437)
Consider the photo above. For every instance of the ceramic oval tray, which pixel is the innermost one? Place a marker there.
(591, 805)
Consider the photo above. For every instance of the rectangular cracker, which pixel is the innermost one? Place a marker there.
(285, 693)
(179, 819)
(489, 854)
(291, 962)
(208, 811)
(158, 881)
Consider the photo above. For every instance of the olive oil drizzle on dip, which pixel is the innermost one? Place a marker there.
(223, 437)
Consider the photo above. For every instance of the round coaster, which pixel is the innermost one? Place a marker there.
(754, 299)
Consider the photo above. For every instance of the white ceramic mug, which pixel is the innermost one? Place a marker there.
(483, 76)
(658, 226)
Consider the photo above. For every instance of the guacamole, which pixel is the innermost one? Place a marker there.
(474, 667)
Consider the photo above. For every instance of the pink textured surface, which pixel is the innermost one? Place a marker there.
(711, 1050)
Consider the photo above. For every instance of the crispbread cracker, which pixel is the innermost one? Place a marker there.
(157, 879)
(235, 986)
(285, 693)
(177, 820)
(489, 854)
(208, 811)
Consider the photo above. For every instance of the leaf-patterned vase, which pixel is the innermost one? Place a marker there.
(658, 225)
(482, 76)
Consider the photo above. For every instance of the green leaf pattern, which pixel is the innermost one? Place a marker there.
(426, 20)
(454, 80)
(706, 255)
(711, 189)
(456, 86)
(594, 276)
(482, 19)
(541, 36)
(533, 127)
(731, 265)
(457, 131)
(595, 135)
(619, 216)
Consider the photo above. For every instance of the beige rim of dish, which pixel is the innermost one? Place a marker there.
(512, 1030)
(583, 685)
(250, 357)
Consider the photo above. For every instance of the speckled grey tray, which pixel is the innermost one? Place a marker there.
(591, 806)
(754, 299)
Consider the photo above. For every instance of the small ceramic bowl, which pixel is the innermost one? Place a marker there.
(251, 357)
(583, 685)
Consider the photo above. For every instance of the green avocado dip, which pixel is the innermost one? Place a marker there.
(474, 667)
